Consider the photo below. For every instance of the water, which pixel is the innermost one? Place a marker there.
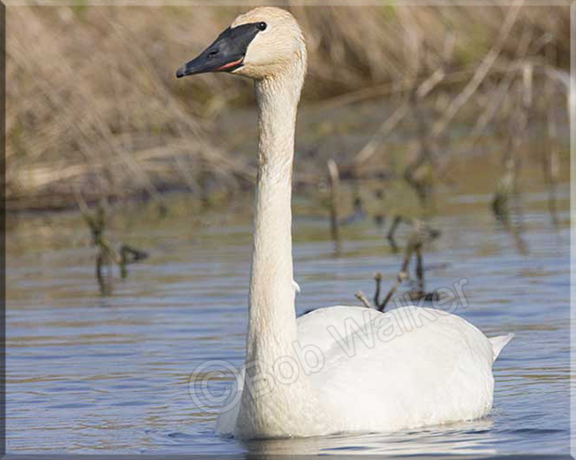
(93, 374)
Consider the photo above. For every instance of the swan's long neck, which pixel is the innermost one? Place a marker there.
(273, 403)
(272, 320)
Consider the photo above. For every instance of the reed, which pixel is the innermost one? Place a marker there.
(93, 105)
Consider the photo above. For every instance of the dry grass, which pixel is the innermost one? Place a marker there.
(93, 105)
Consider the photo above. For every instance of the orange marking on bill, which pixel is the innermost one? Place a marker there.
(230, 64)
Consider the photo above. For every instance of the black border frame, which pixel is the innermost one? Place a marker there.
(3, 227)
(3, 144)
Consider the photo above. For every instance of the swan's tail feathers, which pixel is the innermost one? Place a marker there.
(498, 343)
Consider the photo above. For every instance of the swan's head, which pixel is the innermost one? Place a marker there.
(261, 43)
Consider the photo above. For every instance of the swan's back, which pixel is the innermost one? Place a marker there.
(406, 368)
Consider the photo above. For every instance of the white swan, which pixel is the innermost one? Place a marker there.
(337, 369)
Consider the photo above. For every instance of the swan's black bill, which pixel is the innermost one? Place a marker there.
(225, 54)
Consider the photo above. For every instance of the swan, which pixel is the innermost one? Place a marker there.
(340, 369)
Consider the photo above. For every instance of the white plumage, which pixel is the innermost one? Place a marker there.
(338, 369)
(406, 368)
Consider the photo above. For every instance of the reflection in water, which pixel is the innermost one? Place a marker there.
(467, 438)
(88, 374)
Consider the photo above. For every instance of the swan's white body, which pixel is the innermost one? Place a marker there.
(338, 369)
(407, 368)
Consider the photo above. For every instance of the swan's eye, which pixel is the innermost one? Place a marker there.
(262, 25)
